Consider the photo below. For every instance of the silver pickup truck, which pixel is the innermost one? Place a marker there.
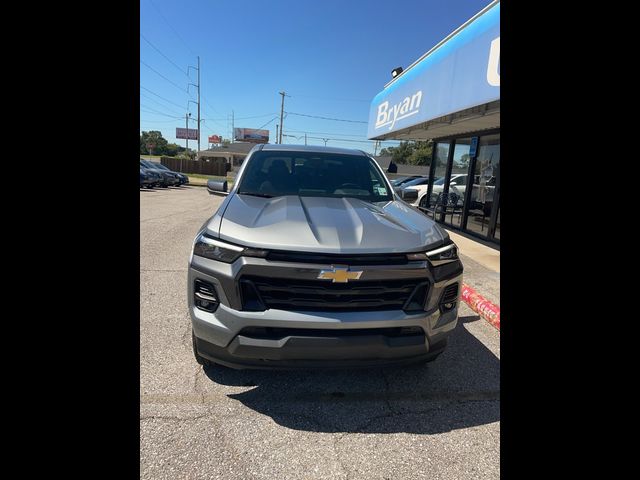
(312, 260)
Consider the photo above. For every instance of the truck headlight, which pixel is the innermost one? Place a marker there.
(438, 256)
(209, 247)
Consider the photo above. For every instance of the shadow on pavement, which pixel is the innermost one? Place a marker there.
(460, 389)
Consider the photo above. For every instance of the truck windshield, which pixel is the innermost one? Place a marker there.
(310, 174)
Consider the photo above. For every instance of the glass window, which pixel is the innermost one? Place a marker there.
(484, 184)
(272, 174)
(457, 182)
(440, 169)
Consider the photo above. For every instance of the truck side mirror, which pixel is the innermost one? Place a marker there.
(216, 186)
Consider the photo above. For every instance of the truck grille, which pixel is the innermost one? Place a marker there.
(301, 295)
(327, 259)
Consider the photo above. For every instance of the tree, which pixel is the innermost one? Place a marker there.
(152, 143)
(421, 154)
(173, 149)
(402, 152)
(187, 154)
(411, 153)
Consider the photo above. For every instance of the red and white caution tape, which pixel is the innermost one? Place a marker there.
(482, 306)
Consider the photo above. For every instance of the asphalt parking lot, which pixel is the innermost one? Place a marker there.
(440, 421)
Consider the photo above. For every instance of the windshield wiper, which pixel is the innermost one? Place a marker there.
(256, 194)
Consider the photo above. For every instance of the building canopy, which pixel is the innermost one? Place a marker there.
(453, 88)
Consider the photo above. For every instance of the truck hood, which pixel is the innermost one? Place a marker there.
(327, 225)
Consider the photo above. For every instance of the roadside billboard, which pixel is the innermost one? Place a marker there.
(215, 139)
(187, 133)
(251, 135)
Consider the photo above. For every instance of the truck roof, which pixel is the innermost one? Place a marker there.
(310, 148)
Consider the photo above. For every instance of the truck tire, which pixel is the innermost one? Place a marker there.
(201, 360)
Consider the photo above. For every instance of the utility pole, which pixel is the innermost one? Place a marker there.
(305, 139)
(375, 148)
(186, 121)
(276, 133)
(325, 141)
(198, 102)
(281, 114)
(233, 126)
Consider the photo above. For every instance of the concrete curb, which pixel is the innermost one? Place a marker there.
(482, 306)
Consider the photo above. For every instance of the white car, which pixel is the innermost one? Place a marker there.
(481, 190)
(400, 189)
(458, 184)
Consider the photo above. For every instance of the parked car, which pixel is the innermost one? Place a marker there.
(167, 178)
(400, 190)
(396, 182)
(150, 178)
(311, 260)
(457, 185)
(181, 176)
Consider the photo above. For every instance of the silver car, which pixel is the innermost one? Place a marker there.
(312, 260)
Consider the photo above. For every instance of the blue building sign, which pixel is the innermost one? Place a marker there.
(462, 72)
(473, 148)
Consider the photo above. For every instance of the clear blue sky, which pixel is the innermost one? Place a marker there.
(331, 56)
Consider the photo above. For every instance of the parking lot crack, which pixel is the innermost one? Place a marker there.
(174, 418)
(387, 391)
(336, 439)
(364, 427)
(163, 269)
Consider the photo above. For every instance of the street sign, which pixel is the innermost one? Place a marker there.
(187, 133)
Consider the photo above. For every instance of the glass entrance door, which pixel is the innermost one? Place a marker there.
(483, 193)
(457, 182)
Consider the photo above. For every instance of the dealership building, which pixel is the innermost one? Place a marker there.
(451, 95)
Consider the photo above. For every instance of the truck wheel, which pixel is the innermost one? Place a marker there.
(201, 360)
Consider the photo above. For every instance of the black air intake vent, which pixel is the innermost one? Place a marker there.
(450, 294)
(205, 296)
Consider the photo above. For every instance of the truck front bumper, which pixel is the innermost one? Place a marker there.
(276, 338)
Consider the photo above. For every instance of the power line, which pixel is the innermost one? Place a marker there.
(170, 81)
(245, 118)
(327, 133)
(326, 118)
(158, 50)
(332, 98)
(152, 110)
(171, 27)
(158, 111)
(332, 139)
(343, 140)
(160, 96)
(159, 121)
(274, 118)
(214, 108)
(256, 116)
(157, 102)
(214, 121)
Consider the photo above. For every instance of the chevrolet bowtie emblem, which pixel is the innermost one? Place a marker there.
(339, 275)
